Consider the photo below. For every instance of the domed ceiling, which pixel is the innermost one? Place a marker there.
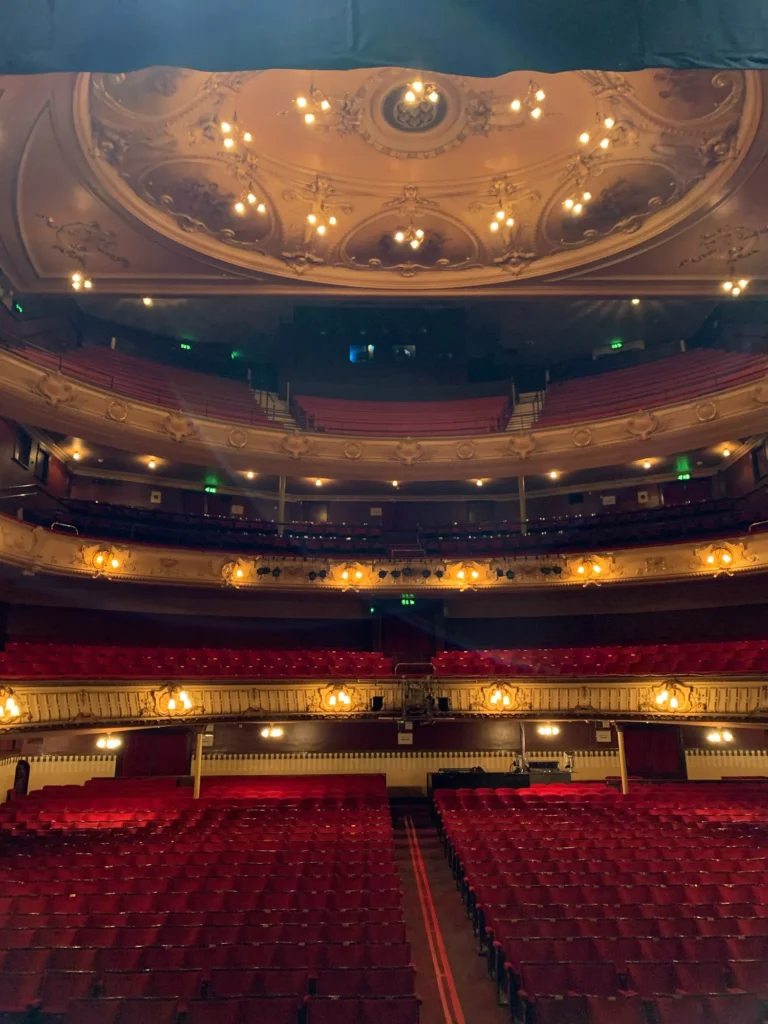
(174, 182)
(394, 179)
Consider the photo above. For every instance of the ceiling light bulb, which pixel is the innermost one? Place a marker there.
(743, 283)
(332, 700)
(309, 119)
(226, 127)
(419, 233)
(710, 559)
(325, 105)
(510, 222)
(727, 286)
(536, 113)
(147, 300)
(635, 302)
(415, 243)
(332, 221)
(433, 97)
(301, 102)
(568, 204)
(399, 236)
(410, 96)
(479, 483)
(418, 86)
(604, 144)
(250, 474)
(171, 704)
(99, 559)
(239, 573)
(553, 474)
(584, 138)
(358, 575)
(727, 558)
(77, 276)
(247, 137)
(540, 95)
(578, 208)
(505, 700)
(345, 575)
(647, 464)
(276, 732)
(228, 143)
(251, 198)
(101, 743)
(494, 225)
(587, 196)
(395, 483)
(674, 702)
(115, 563)
(318, 483)
(265, 732)
(596, 569)
(581, 570)
(714, 737)
(609, 122)
(76, 456)
(261, 208)
(727, 736)
(240, 208)
(76, 285)
(321, 229)
(726, 452)
(183, 695)
(735, 291)
(87, 283)
(152, 464)
(312, 218)
(515, 105)
(474, 574)
(460, 574)
(499, 215)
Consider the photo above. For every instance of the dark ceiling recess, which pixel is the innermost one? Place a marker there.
(483, 38)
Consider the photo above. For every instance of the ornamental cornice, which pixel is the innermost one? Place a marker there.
(48, 399)
(124, 703)
(35, 549)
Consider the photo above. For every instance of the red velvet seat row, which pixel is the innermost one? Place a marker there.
(461, 416)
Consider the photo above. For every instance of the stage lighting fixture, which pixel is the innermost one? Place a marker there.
(443, 705)
(312, 576)
(439, 573)
(276, 572)
(377, 703)
(323, 573)
(510, 574)
(263, 570)
(544, 570)
(557, 570)
(426, 573)
(396, 574)
(407, 571)
(499, 574)
(382, 574)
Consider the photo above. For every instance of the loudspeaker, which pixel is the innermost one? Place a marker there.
(443, 704)
(377, 703)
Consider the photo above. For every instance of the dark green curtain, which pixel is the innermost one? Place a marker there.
(467, 37)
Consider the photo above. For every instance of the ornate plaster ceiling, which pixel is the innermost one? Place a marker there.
(132, 178)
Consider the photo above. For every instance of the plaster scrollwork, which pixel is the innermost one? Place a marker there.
(760, 393)
(295, 445)
(177, 702)
(410, 452)
(643, 425)
(671, 698)
(582, 437)
(55, 389)
(334, 699)
(352, 450)
(465, 450)
(179, 427)
(522, 445)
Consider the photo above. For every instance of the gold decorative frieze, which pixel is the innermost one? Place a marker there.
(35, 549)
(87, 411)
(126, 703)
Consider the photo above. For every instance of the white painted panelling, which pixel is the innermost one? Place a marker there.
(716, 764)
(69, 770)
(7, 775)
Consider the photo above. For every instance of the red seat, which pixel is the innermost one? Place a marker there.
(243, 1011)
(59, 988)
(734, 1009)
(17, 991)
(680, 1010)
(650, 979)
(615, 1011)
(398, 1010)
(227, 983)
(751, 976)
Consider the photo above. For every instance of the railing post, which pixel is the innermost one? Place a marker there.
(523, 510)
(198, 764)
(281, 506)
(622, 759)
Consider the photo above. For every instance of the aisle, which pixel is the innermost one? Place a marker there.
(451, 979)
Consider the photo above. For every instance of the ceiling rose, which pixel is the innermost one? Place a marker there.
(506, 178)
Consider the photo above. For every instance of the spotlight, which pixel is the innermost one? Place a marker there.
(553, 474)
(276, 572)
(382, 574)
(408, 571)
(510, 574)
(250, 474)
(263, 570)
(426, 573)
(544, 570)
(377, 703)
(323, 573)
(647, 464)
(395, 574)
(318, 483)
(152, 464)
(499, 574)
(439, 573)
(275, 732)
(312, 576)
(443, 705)
(557, 570)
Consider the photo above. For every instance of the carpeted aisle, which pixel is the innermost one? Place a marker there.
(451, 979)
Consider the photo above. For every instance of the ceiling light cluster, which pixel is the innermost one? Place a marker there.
(497, 697)
(601, 137)
(501, 218)
(314, 107)
(80, 281)
(271, 732)
(421, 92)
(249, 201)
(667, 699)
(320, 220)
(109, 742)
(531, 104)
(233, 134)
(9, 708)
(411, 235)
(720, 555)
(341, 697)
(720, 736)
(575, 205)
(179, 697)
(548, 730)
(735, 288)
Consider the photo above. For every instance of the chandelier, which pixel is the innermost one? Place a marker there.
(531, 104)
(314, 107)
(249, 201)
(602, 137)
(501, 217)
(412, 235)
(79, 281)
(735, 288)
(421, 92)
(233, 133)
(576, 204)
(320, 219)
